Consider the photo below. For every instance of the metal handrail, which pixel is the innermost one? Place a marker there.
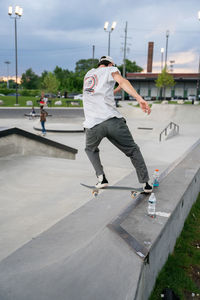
(176, 127)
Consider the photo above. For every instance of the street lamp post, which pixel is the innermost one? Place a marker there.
(162, 52)
(197, 94)
(167, 36)
(18, 14)
(7, 63)
(109, 32)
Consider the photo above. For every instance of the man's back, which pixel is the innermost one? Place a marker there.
(98, 96)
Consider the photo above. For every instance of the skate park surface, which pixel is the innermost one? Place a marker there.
(55, 242)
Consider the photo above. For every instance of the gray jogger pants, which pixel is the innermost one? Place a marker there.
(117, 132)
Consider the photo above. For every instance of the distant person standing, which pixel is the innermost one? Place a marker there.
(42, 99)
(43, 115)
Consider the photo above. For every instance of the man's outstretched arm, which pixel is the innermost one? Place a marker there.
(127, 87)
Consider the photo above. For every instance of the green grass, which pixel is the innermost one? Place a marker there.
(9, 101)
(181, 273)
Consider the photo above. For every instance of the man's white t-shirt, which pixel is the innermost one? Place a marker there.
(98, 96)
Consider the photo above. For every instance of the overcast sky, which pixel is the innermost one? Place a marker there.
(55, 32)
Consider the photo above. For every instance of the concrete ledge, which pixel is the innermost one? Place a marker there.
(153, 239)
(18, 141)
(165, 240)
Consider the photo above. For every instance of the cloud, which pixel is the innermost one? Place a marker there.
(62, 32)
(186, 61)
(184, 58)
(82, 35)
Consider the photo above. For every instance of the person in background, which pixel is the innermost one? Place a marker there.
(43, 115)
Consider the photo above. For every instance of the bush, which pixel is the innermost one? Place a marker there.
(30, 93)
(7, 91)
(22, 92)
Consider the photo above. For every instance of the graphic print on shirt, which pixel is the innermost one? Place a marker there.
(90, 84)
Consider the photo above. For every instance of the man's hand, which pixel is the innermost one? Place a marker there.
(127, 87)
(145, 106)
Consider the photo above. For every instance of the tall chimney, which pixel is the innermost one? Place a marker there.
(150, 57)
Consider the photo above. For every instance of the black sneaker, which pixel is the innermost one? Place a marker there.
(102, 182)
(147, 188)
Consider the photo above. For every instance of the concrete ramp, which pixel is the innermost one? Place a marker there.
(18, 141)
(161, 113)
(84, 257)
(150, 126)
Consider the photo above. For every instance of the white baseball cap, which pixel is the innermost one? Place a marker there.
(108, 58)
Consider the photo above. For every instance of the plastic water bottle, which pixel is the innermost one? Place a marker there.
(152, 206)
(155, 177)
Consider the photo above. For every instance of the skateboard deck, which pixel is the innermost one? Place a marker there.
(134, 191)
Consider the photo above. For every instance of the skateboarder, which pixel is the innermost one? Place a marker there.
(102, 119)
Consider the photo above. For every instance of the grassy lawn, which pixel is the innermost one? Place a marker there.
(181, 273)
(9, 101)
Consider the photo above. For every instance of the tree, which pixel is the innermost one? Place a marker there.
(43, 75)
(131, 67)
(3, 85)
(62, 75)
(84, 65)
(164, 80)
(12, 84)
(50, 83)
(30, 80)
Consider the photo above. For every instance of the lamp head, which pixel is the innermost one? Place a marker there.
(20, 12)
(106, 25)
(113, 25)
(10, 10)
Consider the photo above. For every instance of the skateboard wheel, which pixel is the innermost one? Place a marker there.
(95, 193)
(133, 194)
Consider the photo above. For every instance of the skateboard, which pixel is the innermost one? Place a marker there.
(134, 191)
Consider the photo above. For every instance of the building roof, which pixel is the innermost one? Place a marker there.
(153, 76)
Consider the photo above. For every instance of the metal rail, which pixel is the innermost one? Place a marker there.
(170, 125)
